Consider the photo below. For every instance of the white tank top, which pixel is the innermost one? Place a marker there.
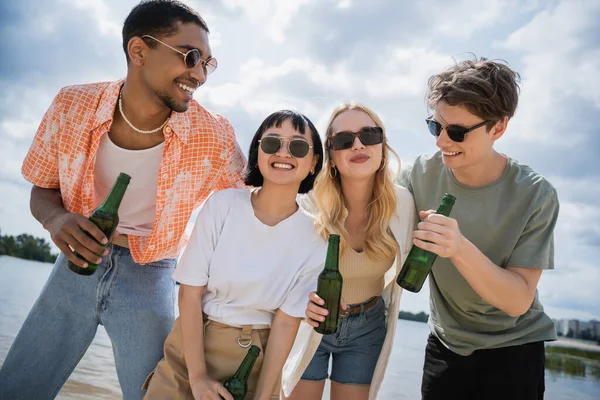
(138, 208)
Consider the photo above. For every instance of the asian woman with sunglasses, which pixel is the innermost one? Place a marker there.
(355, 197)
(253, 257)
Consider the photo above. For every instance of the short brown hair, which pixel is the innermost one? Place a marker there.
(488, 89)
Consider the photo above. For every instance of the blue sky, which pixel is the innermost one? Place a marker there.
(311, 54)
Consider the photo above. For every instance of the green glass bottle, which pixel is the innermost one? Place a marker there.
(329, 287)
(106, 217)
(419, 261)
(237, 385)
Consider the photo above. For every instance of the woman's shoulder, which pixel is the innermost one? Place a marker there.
(231, 193)
(307, 203)
(403, 196)
(226, 198)
(310, 215)
(406, 213)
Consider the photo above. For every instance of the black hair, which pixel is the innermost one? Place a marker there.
(300, 122)
(158, 18)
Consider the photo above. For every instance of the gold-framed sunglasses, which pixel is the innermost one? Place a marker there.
(298, 148)
(192, 57)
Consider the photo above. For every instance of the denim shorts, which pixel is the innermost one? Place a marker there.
(354, 349)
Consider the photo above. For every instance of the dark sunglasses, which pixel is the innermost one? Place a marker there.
(192, 57)
(368, 136)
(455, 132)
(298, 148)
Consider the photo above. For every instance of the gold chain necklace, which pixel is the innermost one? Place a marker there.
(133, 127)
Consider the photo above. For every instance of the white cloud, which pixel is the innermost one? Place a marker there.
(14, 211)
(558, 65)
(569, 313)
(284, 11)
(100, 11)
(274, 16)
(575, 278)
(24, 108)
(401, 75)
(571, 285)
(557, 28)
(216, 39)
(402, 72)
(254, 10)
(584, 190)
(461, 19)
(345, 4)
(268, 62)
(577, 226)
(263, 93)
(12, 156)
(18, 128)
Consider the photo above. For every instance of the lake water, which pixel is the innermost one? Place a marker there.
(95, 376)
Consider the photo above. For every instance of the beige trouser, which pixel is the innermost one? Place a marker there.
(223, 355)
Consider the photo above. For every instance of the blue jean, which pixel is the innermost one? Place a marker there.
(135, 303)
(354, 348)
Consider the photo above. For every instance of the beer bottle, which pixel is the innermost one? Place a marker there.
(237, 385)
(329, 287)
(106, 218)
(419, 261)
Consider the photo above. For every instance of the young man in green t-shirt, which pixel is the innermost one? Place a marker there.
(487, 325)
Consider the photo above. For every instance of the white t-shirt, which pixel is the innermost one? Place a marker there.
(137, 212)
(250, 269)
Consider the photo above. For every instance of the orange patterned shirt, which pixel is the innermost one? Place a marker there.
(201, 155)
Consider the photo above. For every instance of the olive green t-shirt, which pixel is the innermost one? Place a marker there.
(511, 221)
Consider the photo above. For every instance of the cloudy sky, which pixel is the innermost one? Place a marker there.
(311, 54)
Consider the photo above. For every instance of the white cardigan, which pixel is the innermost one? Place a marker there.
(307, 341)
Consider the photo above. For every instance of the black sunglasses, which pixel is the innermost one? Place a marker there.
(368, 136)
(298, 148)
(455, 132)
(192, 57)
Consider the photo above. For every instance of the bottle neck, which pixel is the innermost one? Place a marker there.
(445, 208)
(114, 198)
(332, 259)
(243, 372)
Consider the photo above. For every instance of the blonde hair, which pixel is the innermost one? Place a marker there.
(379, 240)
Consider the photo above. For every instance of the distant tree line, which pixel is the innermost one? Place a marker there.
(27, 247)
(585, 334)
(420, 317)
(588, 334)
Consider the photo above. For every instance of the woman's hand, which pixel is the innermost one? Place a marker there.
(315, 313)
(205, 388)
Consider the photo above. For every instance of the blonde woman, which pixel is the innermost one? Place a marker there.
(354, 196)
